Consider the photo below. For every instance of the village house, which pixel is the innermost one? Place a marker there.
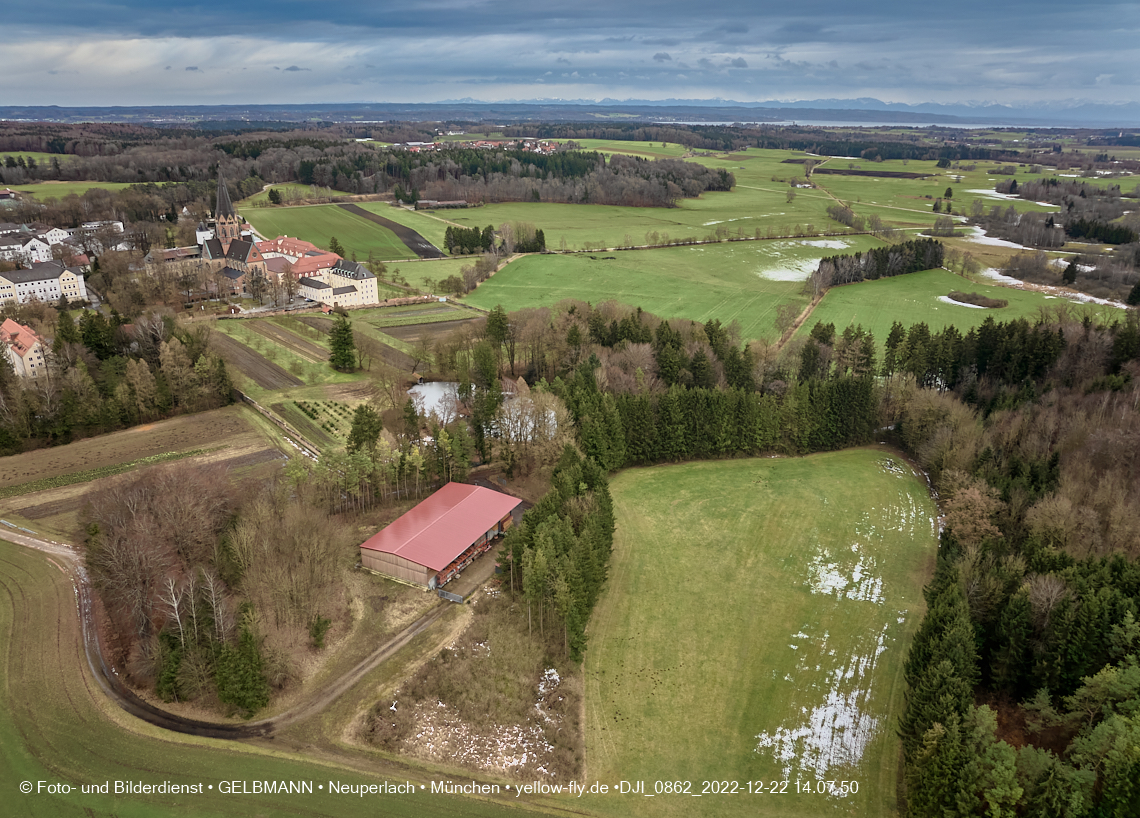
(23, 248)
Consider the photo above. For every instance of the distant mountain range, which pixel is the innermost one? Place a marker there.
(1069, 113)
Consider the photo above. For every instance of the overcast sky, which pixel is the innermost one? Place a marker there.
(142, 52)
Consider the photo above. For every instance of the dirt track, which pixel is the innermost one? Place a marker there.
(291, 342)
(413, 240)
(257, 368)
(107, 677)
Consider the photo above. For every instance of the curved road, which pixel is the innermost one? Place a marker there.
(70, 562)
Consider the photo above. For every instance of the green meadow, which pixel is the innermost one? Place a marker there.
(320, 223)
(289, 190)
(913, 298)
(754, 628)
(743, 281)
(58, 190)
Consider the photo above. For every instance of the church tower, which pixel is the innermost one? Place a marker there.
(227, 225)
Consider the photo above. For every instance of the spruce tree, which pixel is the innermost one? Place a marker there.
(342, 345)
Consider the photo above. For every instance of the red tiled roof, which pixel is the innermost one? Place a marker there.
(20, 338)
(444, 525)
(307, 265)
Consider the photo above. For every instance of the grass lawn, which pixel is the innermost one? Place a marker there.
(754, 627)
(913, 298)
(319, 223)
(743, 281)
(57, 727)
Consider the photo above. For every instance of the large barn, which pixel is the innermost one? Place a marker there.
(438, 538)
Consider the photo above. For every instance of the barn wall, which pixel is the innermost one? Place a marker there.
(395, 567)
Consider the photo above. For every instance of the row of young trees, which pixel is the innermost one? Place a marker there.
(879, 262)
(556, 559)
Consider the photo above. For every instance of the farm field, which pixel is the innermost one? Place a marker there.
(56, 727)
(432, 225)
(320, 223)
(913, 298)
(58, 190)
(586, 226)
(291, 190)
(754, 627)
(45, 489)
(297, 357)
(742, 281)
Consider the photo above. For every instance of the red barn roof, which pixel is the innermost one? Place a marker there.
(444, 525)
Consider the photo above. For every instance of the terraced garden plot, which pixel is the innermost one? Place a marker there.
(389, 354)
(253, 365)
(290, 341)
(754, 626)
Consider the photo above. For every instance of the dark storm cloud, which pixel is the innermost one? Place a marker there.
(814, 48)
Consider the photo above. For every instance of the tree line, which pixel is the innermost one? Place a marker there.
(878, 262)
(104, 374)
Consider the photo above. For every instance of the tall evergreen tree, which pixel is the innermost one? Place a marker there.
(342, 345)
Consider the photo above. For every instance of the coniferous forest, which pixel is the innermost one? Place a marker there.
(1023, 681)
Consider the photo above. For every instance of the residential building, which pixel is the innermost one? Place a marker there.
(24, 349)
(23, 248)
(345, 284)
(43, 281)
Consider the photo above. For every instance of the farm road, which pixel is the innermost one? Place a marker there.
(255, 366)
(67, 558)
(413, 240)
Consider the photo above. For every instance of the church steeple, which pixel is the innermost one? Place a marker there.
(227, 225)
(224, 207)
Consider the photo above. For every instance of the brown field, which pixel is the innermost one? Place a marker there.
(253, 365)
(218, 427)
(389, 354)
(413, 333)
(232, 441)
(294, 343)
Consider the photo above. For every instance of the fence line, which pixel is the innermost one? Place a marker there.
(313, 451)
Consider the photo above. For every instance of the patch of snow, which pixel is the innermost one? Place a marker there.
(831, 579)
(979, 237)
(830, 244)
(836, 731)
(945, 299)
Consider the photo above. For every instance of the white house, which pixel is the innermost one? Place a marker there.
(23, 248)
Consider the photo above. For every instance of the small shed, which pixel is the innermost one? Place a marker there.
(441, 536)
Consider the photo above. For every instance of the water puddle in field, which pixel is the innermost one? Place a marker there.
(834, 733)
(784, 260)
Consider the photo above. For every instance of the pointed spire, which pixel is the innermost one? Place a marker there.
(224, 207)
